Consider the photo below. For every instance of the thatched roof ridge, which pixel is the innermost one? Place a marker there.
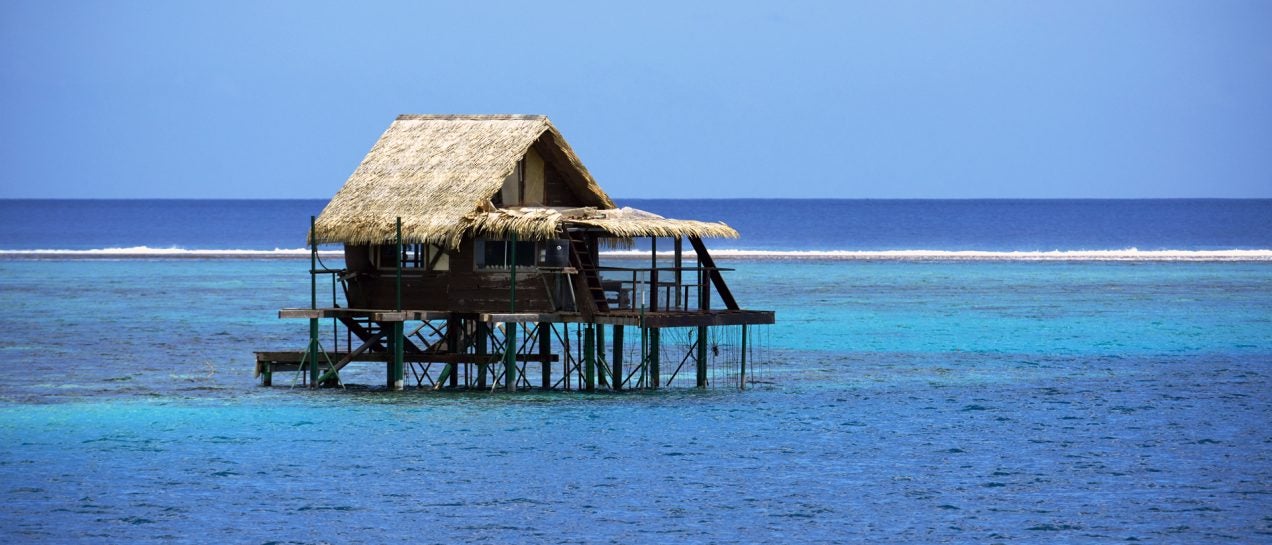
(438, 173)
(538, 223)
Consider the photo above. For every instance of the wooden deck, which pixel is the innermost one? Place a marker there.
(289, 360)
(658, 319)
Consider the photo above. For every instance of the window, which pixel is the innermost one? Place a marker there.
(497, 254)
(414, 256)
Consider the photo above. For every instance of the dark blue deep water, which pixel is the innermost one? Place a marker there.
(904, 401)
(766, 224)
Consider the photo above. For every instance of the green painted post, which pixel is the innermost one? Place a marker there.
(704, 304)
(396, 371)
(742, 368)
(444, 377)
(510, 339)
(313, 304)
(589, 357)
(653, 274)
(398, 286)
(616, 359)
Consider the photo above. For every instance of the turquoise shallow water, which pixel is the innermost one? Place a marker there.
(912, 402)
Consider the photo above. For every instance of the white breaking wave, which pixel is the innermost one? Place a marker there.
(1129, 254)
(148, 252)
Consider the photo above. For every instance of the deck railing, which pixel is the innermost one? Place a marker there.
(658, 289)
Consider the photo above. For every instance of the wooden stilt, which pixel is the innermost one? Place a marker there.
(545, 353)
(742, 366)
(510, 338)
(704, 303)
(396, 369)
(480, 349)
(602, 379)
(453, 342)
(702, 357)
(653, 274)
(565, 356)
(589, 357)
(655, 355)
(678, 247)
(616, 359)
(510, 356)
(313, 304)
(313, 353)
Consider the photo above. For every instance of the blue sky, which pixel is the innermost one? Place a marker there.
(738, 99)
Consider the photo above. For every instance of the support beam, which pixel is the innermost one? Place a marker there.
(510, 356)
(742, 367)
(510, 328)
(705, 260)
(653, 274)
(454, 329)
(702, 357)
(589, 357)
(313, 303)
(332, 373)
(447, 370)
(545, 352)
(655, 355)
(602, 379)
(678, 263)
(313, 353)
(480, 347)
(396, 369)
(616, 359)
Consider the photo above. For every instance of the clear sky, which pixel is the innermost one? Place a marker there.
(888, 99)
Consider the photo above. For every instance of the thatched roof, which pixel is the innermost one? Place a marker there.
(439, 172)
(544, 222)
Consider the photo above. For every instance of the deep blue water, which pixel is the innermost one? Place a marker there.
(915, 401)
(765, 224)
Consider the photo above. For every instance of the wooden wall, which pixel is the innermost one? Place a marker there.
(461, 289)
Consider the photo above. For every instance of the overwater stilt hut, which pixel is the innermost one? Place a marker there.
(472, 247)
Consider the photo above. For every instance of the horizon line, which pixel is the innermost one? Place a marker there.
(682, 198)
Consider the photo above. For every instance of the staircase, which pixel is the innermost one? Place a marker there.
(581, 259)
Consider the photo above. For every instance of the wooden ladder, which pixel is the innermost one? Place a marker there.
(582, 260)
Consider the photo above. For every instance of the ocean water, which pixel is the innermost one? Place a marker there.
(924, 399)
(767, 225)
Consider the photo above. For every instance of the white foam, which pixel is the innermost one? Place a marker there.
(148, 252)
(1129, 254)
